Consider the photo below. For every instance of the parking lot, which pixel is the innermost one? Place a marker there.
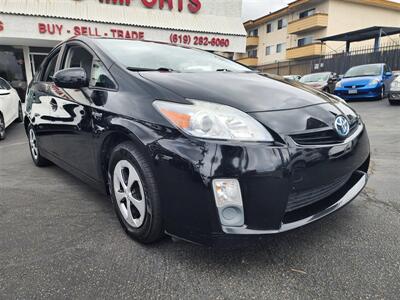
(61, 239)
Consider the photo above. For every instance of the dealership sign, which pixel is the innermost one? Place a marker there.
(192, 5)
(52, 29)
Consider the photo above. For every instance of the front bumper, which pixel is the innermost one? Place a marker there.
(362, 93)
(268, 174)
(394, 95)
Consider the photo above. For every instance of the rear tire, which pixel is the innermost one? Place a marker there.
(134, 193)
(37, 158)
(2, 128)
(20, 113)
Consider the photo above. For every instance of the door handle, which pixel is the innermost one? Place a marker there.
(53, 104)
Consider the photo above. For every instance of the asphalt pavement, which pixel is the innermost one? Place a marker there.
(60, 239)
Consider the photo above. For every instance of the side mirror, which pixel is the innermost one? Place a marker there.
(72, 78)
(4, 92)
(388, 74)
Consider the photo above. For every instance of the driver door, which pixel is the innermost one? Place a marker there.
(72, 116)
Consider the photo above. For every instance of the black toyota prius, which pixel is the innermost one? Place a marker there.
(188, 143)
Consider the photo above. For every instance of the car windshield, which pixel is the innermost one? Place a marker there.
(317, 77)
(366, 70)
(148, 56)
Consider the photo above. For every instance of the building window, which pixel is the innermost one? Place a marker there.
(269, 27)
(282, 23)
(268, 50)
(280, 47)
(252, 53)
(253, 32)
(307, 13)
(305, 41)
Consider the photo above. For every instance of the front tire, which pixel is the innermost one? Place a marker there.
(2, 128)
(134, 193)
(382, 94)
(37, 158)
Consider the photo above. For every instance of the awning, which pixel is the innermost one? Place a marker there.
(362, 34)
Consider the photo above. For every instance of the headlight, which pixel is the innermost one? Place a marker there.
(339, 84)
(373, 82)
(395, 86)
(213, 121)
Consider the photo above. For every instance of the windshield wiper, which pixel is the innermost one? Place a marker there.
(223, 70)
(161, 69)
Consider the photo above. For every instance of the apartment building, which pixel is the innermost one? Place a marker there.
(293, 32)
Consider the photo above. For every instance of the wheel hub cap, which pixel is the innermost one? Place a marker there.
(129, 194)
(33, 144)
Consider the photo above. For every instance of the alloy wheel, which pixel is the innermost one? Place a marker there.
(33, 144)
(129, 194)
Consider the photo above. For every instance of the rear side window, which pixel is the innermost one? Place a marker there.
(50, 69)
(78, 57)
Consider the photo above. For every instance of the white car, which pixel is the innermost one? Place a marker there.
(10, 107)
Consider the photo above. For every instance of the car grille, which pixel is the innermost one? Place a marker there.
(354, 86)
(323, 137)
(307, 197)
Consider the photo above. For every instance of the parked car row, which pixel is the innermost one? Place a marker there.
(10, 107)
(372, 81)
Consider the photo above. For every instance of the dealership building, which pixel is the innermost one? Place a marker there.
(30, 28)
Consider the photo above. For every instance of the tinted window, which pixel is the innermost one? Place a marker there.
(100, 76)
(50, 69)
(78, 57)
(4, 85)
(365, 70)
(148, 55)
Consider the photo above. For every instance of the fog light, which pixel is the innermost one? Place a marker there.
(228, 199)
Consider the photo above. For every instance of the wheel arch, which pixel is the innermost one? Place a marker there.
(115, 136)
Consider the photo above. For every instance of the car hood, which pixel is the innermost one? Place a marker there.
(364, 80)
(249, 92)
(315, 83)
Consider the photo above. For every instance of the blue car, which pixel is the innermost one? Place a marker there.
(365, 82)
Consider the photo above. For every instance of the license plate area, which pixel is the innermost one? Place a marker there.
(352, 92)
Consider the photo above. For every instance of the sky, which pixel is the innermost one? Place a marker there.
(253, 9)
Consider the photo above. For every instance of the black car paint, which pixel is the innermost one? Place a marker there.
(78, 134)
